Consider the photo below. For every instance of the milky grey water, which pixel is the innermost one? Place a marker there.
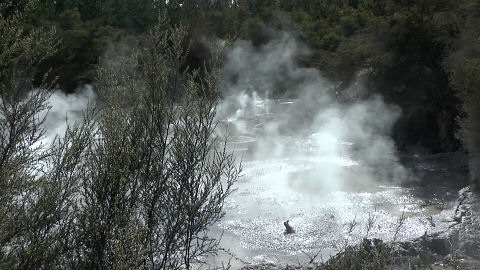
(331, 195)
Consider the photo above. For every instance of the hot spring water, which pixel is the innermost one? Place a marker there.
(324, 187)
(330, 171)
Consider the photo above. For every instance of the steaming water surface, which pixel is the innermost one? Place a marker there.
(300, 166)
(330, 184)
(329, 194)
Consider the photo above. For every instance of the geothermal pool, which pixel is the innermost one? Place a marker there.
(329, 188)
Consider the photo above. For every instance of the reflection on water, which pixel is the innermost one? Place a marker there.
(317, 181)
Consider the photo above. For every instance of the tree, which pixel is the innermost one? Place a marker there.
(134, 185)
(155, 178)
(463, 63)
(466, 80)
(36, 183)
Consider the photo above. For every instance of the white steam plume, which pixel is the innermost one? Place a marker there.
(302, 149)
(66, 109)
(259, 86)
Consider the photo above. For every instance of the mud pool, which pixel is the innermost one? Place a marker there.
(330, 193)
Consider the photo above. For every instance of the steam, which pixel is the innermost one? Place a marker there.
(276, 110)
(290, 111)
(308, 155)
(66, 109)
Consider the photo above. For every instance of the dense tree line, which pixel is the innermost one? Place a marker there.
(407, 48)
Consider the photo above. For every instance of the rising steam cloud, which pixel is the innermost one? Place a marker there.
(275, 109)
(290, 110)
(66, 109)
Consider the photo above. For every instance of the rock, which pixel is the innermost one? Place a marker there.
(288, 228)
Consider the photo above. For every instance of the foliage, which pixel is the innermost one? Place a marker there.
(465, 79)
(464, 66)
(370, 254)
(34, 204)
(154, 179)
(134, 185)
